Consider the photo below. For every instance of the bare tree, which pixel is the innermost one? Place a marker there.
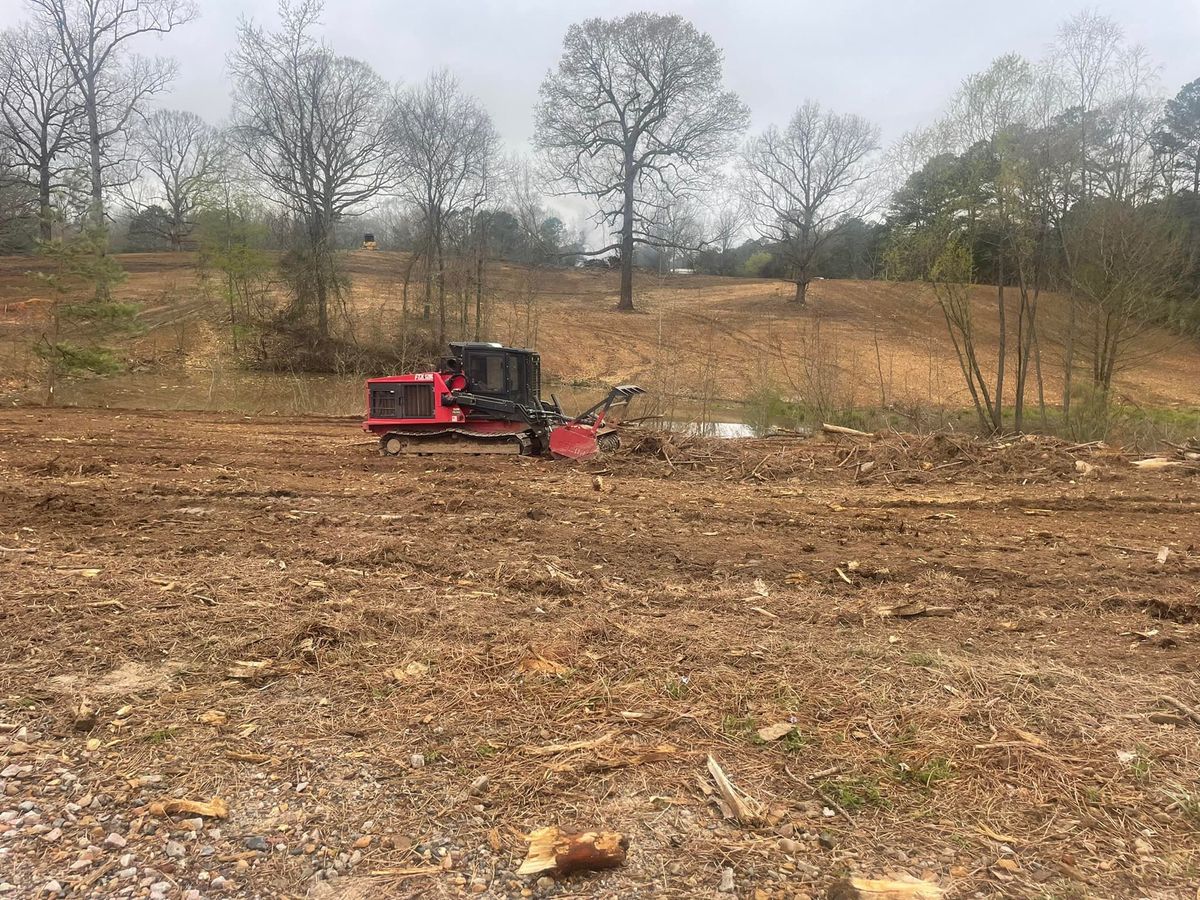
(674, 227)
(445, 148)
(1125, 263)
(634, 103)
(312, 127)
(40, 114)
(726, 220)
(802, 184)
(112, 85)
(180, 156)
(1087, 44)
(18, 204)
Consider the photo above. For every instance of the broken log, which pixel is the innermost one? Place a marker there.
(556, 852)
(902, 887)
(842, 429)
(1156, 462)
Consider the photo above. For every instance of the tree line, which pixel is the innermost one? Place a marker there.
(1069, 173)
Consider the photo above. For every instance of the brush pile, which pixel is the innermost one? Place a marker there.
(888, 458)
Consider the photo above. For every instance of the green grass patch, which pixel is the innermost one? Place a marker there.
(927, 775)
(853, 794)
(160, 736)
(742, 728)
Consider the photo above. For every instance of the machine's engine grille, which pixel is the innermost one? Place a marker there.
(401, 401)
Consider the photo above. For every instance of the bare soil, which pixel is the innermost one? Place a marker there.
(389, 672)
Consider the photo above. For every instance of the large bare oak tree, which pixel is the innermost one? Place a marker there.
(181, 158)
(804, 182)
(112, 84)
(635, 104)
(40, 113)
(313, 128)
(446, 148)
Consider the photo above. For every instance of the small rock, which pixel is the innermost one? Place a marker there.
(545, 883)
(175, 850)
(126, 874)
(85, 718)
(52, 887)
(219, 883)
(727, 885)
(256, 842)
(53, 835)
(362, 843)
(826, 840)
(479, 785)
(787, 845)
(115, 841)
(417, 760)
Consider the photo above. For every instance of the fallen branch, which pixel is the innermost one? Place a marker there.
(842, 429)
(1186, 710)
(588, 744)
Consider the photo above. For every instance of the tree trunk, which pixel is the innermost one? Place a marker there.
(1001, 353)
(801, 298)
(440, 276)
(319, 238)
(45, 214)
(103, 292)
(1068, 359)
(625, 304)
(479, 295)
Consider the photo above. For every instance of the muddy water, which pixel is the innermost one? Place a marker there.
(273, 394)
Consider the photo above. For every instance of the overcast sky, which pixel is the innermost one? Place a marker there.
(894, 61)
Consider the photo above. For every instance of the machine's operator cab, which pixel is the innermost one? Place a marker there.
(492, 370)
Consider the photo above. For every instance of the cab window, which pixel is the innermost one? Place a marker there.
(486, 372)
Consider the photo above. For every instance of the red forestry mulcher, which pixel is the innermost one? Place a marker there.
(486, 398)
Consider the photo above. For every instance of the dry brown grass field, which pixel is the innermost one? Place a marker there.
(859, 343)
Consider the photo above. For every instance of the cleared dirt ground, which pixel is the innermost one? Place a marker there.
(389, 671)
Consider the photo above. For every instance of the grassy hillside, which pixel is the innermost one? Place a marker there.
(861, 342)
(702, 338)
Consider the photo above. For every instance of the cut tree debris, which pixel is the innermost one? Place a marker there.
(553, 851)
(736, 804)
(214, 808)
(898, 887)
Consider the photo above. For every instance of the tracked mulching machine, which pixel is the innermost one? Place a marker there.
(486, 398)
